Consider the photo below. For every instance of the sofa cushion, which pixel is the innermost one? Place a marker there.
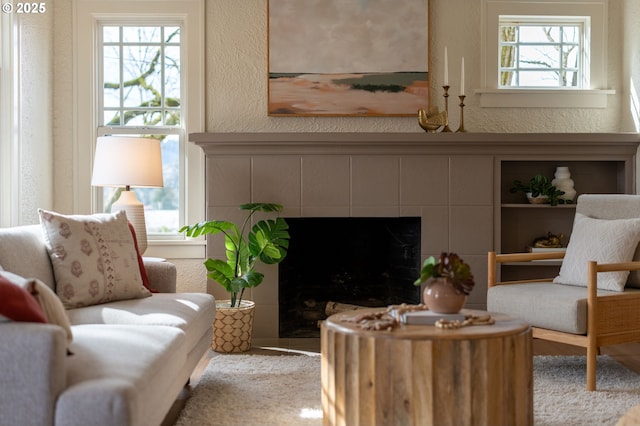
(94, 258)
(602, 240)
(122, 374)
(191, 312)
(16, 304)
(545, 305)
(47, 300)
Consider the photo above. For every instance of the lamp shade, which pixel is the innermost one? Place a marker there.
(127, 161)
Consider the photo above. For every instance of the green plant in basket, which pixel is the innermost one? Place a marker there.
(267, 242)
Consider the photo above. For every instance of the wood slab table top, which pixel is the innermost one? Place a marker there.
(504, 325)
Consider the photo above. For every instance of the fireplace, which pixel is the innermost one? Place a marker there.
(348, 261)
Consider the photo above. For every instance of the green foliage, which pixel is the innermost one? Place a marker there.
(267, 242)
(540, 185)
(393, 88)
(450, 266)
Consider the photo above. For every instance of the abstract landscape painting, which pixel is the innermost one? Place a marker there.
(348, 57)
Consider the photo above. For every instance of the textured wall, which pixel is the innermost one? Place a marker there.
(63, 129)
(35, 96)
(237, 64)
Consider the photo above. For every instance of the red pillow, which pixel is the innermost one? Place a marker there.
(143, 270)
(17, 304)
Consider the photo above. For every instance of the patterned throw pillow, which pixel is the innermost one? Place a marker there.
(94, 258)
(605, 241)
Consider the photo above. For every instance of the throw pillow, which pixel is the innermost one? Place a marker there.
(94, 258)
(143, 270)
(16, 304)
(605, 241)
(50, 305)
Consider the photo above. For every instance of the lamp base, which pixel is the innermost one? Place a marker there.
(134, 210)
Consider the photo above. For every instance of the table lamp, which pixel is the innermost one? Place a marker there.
(122, 161)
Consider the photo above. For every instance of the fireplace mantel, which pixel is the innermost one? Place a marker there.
(454, 182)
(416, 143)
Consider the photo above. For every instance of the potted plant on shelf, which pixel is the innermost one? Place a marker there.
(266, 241)
(448, 283)
(540, 190)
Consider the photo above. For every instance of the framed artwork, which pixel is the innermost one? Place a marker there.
(348, 57)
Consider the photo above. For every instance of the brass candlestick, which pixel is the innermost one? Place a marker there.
(461, 128)
(446, 108)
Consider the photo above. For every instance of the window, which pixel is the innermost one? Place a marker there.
(139, 71)
(541, 53)
(140, 95)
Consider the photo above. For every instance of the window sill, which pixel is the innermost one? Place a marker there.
(541, 98)
(167, 249)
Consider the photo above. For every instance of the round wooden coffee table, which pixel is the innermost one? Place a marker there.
(424, 375)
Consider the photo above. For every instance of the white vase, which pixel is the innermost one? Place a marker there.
(563, 182)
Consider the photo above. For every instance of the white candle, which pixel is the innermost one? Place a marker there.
(446, 67)
(462, 78)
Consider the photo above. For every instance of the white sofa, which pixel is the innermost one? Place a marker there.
(130, 359)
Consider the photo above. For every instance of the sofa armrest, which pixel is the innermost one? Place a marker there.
(33, 360)
(162, 274)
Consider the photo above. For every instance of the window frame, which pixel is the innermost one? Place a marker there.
(526, 21)
(138, 130)
(594, 96)
(89, 15)
(8, 166)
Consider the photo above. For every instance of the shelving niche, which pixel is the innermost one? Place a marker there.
(521, 223)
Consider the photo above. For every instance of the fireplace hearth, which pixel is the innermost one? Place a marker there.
(357, 261)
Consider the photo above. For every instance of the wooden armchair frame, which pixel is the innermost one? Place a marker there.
(611, 319)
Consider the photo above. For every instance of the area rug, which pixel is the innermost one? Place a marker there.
(560, 398)
(273, 387)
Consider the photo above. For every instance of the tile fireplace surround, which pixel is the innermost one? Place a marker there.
(451, 181)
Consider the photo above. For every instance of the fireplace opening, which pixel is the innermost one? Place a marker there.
(348, 261)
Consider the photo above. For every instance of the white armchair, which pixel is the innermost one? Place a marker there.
(595, 300)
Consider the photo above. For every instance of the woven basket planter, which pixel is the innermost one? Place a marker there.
(232, 327)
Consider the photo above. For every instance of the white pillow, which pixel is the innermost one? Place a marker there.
(605, 241)
(94, 258)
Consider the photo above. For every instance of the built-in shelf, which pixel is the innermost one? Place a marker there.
(537, 206)
(519, 223)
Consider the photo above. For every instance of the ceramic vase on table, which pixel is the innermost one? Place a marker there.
(442, 297)
(233, 327)
(563, 182)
